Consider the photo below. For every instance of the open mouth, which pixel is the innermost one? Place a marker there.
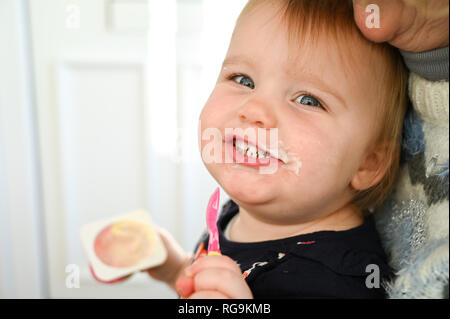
(250, 150)
(249, 154)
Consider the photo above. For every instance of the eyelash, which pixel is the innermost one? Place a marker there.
(321, 104)
(234, 75)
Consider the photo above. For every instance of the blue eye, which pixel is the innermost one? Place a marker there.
(308, 100)
(244, 80)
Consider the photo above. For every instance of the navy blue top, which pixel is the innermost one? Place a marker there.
(324, 264)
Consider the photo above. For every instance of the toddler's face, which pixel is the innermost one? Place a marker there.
(324, 110)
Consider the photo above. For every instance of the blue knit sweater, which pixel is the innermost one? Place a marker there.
(413, 223)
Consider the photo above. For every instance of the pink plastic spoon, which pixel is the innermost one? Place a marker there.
(211, 222)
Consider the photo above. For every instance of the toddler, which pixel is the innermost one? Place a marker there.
(336, 101)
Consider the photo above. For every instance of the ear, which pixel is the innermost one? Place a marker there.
(373, 168)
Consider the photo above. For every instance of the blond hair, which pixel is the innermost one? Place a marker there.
(307, 19)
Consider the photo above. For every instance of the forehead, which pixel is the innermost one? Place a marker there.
(262, 37)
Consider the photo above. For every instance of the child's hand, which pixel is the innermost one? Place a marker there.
(213, 277)
(177, 260)
(410, 25)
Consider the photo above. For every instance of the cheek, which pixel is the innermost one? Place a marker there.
(215, 111)
(320, 159)
(209, 119)
(213, 119)
(207, 115)
(325, 156)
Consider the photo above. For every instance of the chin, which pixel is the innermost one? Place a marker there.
(244, 185)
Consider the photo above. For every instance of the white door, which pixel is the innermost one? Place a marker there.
(91, 95)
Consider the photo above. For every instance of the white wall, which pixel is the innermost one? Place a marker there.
(22, 249)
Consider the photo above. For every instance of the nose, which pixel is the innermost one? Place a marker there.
(258, 113)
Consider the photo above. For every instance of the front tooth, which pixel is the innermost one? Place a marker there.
(249, 150)
(246, 149)
(241, 147)
(262, 154)
(252, 151)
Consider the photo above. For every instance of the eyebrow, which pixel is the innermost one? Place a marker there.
(236, 60)
(312, 78)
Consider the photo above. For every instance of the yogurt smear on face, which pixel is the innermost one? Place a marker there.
(290, 160)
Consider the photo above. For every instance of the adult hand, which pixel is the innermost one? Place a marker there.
(213, 277)
(410, 25)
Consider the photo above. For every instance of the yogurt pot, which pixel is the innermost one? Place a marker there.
(121, 246)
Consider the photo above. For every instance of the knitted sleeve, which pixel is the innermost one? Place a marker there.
(431, 65)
